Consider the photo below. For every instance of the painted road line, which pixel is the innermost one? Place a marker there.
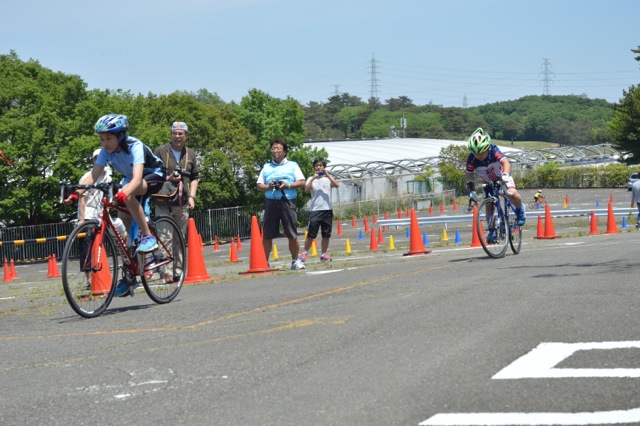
(535, 419)
(541, 362)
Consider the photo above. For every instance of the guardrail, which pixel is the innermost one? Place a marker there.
(469, 217)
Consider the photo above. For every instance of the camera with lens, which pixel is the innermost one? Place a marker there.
(277, 184)
(177, 172)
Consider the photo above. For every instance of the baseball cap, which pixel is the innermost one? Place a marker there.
(179, 125)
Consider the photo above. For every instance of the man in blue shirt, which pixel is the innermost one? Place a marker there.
(279, 181)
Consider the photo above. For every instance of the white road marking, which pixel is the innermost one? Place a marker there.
(324, 272)
(541, 362)
(531, 419)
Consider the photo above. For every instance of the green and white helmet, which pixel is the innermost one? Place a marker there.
(479, 141)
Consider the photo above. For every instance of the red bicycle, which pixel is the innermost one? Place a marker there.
(91, 259)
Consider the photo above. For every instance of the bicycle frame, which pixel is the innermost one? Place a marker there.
(499, 190)
(499, 219)
(90, 283)
(130, 262)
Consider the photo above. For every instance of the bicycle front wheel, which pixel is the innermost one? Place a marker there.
(89, 270)
(163, 270)
(492, 230)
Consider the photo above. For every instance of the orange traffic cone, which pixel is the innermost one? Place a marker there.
(101, 278)
(375, 218)
(611, 221)
(549, 229)
(416, 245)
(339, 229)
(353, 221)
(475, 240)
(380, 236)
(594, 225)
(366, 224)
(540, 234)
(54, 267)
(430, 208)
(7, 272)
(454, 207)
(566, 200)
(216, 244)
(48, 267)
(399, 213)
(10, 277)
(14, 274)
(196, 269)
(233, 253)
(257, 259)
(373, 245)
(441, 208)
(239, 243)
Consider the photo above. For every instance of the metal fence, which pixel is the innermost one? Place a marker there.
(33, 243)
(36, 243)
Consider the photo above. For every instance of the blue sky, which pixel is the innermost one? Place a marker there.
(433, 51)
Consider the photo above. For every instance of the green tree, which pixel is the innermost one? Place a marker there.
(625, 125)
(37, 120)
(352, 118)
(453, 159)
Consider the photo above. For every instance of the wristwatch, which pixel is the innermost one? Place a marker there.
(191, 196)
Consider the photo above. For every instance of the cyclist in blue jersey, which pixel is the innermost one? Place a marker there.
(143, 173)
(490, 163)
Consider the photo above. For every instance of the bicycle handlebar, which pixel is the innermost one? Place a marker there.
(108, 189)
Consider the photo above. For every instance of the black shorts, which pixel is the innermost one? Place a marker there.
(277, 212)
(322, 219)
(154, 183)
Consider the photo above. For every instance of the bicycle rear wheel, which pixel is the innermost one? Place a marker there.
(492, 230)
(89, 270)
(515, 234)
(163, 270)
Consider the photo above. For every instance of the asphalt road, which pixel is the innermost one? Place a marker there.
(549, 336)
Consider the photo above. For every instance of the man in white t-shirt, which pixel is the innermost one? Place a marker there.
(320, 208)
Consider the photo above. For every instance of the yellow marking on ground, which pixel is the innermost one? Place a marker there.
(235, 314)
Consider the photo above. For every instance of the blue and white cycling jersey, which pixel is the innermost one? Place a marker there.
(123, 162)
(488, 169)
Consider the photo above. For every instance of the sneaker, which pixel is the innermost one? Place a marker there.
(297, 264)
(638, 225)
(492, 237)
(147, 244)
(123, 289)
(325, 258)
(304, 256)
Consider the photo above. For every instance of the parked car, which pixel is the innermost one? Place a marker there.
(632, 179)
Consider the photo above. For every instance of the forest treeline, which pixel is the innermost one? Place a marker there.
(566, 120)
(47, 118)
